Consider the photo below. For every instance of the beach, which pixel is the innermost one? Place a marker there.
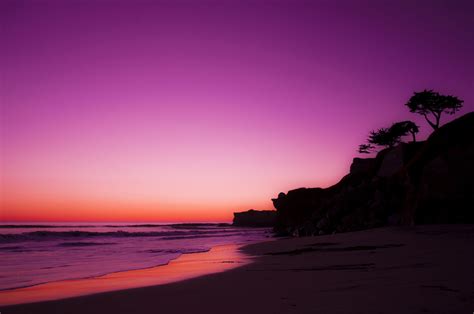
(41, 254)
(422, 269)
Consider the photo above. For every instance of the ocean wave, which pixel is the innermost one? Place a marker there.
(175, 226)
(11, 248)
(44, 226)
(79, 244)
(20, 249)
(199, 225)
(45, 235)
(201, 235)
(175, 251)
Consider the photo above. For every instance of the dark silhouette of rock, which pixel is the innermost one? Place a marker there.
(296, 207)
(362, 165)
(440, 176)
(418, 182)
(255, 218)
(393, 160)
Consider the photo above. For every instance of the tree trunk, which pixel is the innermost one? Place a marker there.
(434, 126)
(414, 137)
(438, 116)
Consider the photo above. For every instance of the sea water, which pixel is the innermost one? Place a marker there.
(31, 254)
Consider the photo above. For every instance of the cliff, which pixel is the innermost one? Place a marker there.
(412, 183)
(255, 218)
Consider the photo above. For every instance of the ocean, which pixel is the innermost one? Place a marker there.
(32, 254)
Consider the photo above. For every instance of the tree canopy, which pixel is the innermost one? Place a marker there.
(429, 102)
(366, 148)
(404, 128)
(388, 137)
(384, 137)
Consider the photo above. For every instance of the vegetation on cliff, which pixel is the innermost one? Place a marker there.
(405, 183)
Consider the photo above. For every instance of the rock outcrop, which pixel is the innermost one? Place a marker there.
(255, 218)
(441, 176)
(422, 182)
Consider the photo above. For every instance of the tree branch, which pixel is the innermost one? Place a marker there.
(434, 126)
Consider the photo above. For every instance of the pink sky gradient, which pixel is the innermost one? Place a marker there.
(179, 111)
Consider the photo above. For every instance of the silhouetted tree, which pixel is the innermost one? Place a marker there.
(366, 148)
(403, 128)
(384, 137)
(429, 102)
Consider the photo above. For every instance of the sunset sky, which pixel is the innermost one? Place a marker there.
(189, 111)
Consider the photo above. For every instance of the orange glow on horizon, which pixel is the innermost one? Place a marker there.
(81, 211)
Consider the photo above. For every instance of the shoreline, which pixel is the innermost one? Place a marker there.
(421, 269)
(186, 266)
(106, 274)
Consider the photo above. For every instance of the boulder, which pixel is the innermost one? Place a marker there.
(295, 208)
(392, 161)
(362, 165)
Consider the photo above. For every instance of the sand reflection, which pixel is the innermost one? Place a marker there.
(187, 266)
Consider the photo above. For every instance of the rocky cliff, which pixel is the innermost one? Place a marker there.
(255, 218)
(423, 182)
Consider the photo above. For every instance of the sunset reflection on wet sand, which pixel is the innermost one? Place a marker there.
(187, 266)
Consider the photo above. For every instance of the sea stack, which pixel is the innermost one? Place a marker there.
(255, 218)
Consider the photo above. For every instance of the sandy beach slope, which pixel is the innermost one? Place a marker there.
(425, 269)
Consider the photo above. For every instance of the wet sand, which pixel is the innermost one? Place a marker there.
(426, 269)
(187, 266)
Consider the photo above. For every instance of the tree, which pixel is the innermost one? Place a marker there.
(366, 148)
(404, 128)
(432, 103)
(389, 137)
(384, 137)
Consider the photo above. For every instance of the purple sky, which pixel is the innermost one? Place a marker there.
(191, 110)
